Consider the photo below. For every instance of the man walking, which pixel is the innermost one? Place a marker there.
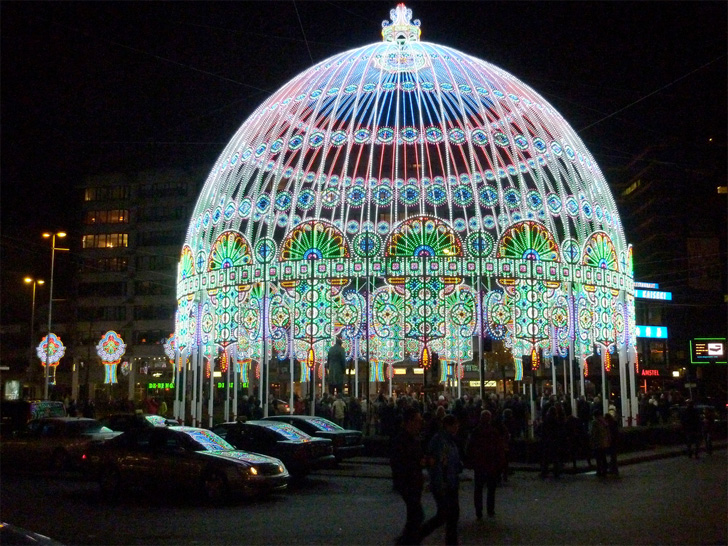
(445, 467)
(407, 461)
(486, 452)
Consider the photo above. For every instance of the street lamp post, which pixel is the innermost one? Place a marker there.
(29, 280)
(52, 236)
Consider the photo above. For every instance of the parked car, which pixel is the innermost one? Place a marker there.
(184, 458)
(15, 414)
(300, 452)
(11, 535)
(346, 443)
(53, 443)
(279, 407)
(127, 421)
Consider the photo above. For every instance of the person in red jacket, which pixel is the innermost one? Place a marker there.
(486, 453)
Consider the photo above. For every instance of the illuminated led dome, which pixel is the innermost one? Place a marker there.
(416, 170)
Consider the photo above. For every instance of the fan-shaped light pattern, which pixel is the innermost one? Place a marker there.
(186, 263)
(394, 176)
(528, 241)
(423, 237)
(599, 252)
(230, 249)
(314, 240)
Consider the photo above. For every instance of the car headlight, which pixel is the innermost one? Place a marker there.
(253, 471)
(281, 470)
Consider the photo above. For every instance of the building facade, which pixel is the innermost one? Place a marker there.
(132, 226)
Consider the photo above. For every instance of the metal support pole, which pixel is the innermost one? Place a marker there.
(605, 404)
(210, 400)
(291, 364)
(226, 408)
(632, 359)
(624, 395)
(50, 311)
(236, 381)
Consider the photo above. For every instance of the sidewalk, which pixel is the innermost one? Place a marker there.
(378, 467)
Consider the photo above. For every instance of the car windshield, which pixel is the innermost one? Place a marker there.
(156, 420)
(324, 424)
(86, 427)
(207, 440)
(289, 431)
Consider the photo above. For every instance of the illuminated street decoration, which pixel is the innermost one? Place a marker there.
(170, 348)
(381, 194)
(110, 350)
(51, 349)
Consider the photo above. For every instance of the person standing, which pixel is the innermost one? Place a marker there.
(407, 461)
(613, 428)
(599, 440)
(691, 424)
(552, 438)
(336, 367)
(487, 454)
(445, 466)
(338, 410)
(163, 408)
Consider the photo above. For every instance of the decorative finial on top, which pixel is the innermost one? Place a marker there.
(402, 28)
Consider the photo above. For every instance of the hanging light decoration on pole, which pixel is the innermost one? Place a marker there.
(29, 280)
(52, 236)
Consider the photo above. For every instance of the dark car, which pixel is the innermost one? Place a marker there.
(184, 458)
(127, 421)
(53, 443)
(12, 535)
(300, 452)
(279, 407)
(347, 443)
(15, 414)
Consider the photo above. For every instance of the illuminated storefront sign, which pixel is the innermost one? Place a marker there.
(653, 295)
(486, 384)
(160, 386)
(654, 332)
(708, 351)
(653, 373)
(648, 285)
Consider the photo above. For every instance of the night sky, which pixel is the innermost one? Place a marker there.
(97, 87)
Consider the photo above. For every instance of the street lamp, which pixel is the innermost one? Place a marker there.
(29, 280)
(52, 236)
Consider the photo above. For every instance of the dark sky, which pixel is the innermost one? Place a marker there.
(94, 87)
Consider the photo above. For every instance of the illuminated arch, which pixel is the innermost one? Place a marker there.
(186, 263)
(312, 240)
(599, 252)
(230, 249)
(528, 240)
(424, 236)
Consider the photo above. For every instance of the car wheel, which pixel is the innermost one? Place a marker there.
(215, 486)
(110, 482)
(60, 460)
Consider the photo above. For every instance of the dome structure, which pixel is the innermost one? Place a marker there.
(406, 196)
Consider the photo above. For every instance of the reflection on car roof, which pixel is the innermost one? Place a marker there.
(289, 431)
(208, 439)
